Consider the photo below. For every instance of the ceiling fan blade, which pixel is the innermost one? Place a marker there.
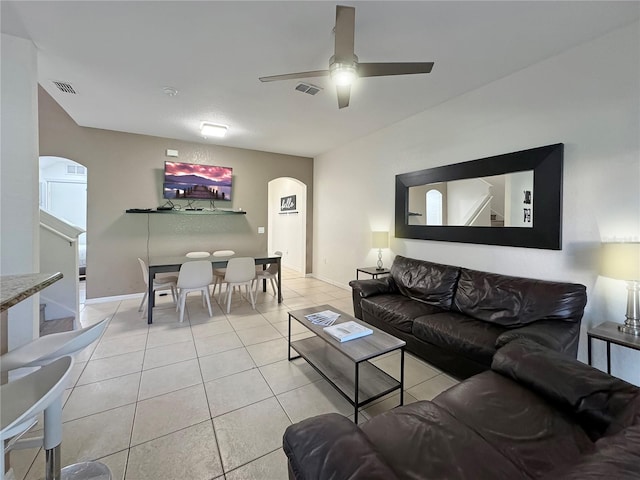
(344, 92)
(345, 26)
(400, 68)
(293, 76)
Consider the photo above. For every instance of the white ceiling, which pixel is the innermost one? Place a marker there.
(119, 56)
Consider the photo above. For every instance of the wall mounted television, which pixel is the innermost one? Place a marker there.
(193, 181)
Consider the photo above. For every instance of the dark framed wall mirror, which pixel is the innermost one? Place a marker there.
(514, 199)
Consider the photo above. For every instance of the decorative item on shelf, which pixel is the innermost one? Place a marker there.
(621, 260)
(380, 240)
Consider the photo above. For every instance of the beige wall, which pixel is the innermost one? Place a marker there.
(126, 171)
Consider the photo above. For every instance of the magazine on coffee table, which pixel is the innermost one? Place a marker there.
(343, 332)
(324, 318)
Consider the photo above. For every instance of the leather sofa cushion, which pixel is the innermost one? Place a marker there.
(594, 398)
(427, 282)
(514, 301)
(530, 432)
(459, 333)
(396, 310)
(618, 458)
(423, 441)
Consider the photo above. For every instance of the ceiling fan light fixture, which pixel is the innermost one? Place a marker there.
(343, 74)
(213, 130)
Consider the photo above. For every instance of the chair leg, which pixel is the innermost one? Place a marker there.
(183, 300)
(253, 300)
(140, 308)
(229, 293)
(273, 286)
(206, 297)
(173, 294)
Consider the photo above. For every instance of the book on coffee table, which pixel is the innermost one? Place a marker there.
(343, 332)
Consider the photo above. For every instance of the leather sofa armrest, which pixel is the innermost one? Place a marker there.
(593, 397)
(368, 288)
(557, 335)
(374, 286)
(331, 446)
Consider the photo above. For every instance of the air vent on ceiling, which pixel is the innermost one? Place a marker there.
(308, 88)
(65, 87)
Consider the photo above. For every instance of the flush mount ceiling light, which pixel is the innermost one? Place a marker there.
(212, 130)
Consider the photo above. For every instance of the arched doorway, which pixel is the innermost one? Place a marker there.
(63, 193)
(287, 222)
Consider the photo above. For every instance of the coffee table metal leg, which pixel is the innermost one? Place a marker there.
(289, 343)
(355, 397)
(401, 376)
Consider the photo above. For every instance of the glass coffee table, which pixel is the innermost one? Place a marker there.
(347, 365)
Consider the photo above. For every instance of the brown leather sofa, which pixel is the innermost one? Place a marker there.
(455, 318)
(537, 414)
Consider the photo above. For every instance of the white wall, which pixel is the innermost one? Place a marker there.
(587, 98)
(19, 243)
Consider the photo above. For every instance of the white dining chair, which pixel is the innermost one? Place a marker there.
(198, 255)
(241, 271)
(161, 283)
(218, 273)
(195, 276)
(270, 273)
(23, 400)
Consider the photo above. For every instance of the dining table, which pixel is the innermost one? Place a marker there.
(165, 264)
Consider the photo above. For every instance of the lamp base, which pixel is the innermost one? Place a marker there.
(632, 322)
(379, 264)
(631, 328)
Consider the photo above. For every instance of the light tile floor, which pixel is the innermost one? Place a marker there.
(206, 399)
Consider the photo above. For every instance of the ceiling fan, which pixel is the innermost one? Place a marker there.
(344, 67)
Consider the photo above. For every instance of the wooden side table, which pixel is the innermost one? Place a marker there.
(373, 271)
(608, 332)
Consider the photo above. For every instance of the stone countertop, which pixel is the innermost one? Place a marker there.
(15, 288)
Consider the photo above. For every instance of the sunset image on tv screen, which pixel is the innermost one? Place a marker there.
(197, 182)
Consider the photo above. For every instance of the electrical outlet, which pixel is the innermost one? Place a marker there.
(260, 229)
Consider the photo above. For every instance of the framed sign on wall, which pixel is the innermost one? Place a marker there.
(288, 203)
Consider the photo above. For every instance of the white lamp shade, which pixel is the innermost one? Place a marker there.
(621, 260)
(380, 239)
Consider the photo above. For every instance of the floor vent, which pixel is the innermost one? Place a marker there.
(65, 87)
(308, 88)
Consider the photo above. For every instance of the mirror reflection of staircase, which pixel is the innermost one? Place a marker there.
(495, 222)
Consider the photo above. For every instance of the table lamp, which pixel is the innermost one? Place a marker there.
(622, 261)
(380, 240)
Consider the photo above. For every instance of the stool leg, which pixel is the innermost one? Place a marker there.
(52, 439)
(52, 463)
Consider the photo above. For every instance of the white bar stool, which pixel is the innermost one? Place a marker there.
(25, 398)
(48, 348)
(41, 352)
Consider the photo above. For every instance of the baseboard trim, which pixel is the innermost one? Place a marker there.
(328, 280)
(115, 298)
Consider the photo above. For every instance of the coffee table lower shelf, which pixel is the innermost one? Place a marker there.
(359, 383)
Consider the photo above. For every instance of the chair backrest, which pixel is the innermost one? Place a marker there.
(26, 397)
(145, 271)
(195, 274)
(273, 267)
(197, 254)
(223, 253)
(240, 269)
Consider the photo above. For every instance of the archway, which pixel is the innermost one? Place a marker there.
(63, 193)
(287, 222)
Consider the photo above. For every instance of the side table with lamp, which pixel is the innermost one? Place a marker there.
(620, 260)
